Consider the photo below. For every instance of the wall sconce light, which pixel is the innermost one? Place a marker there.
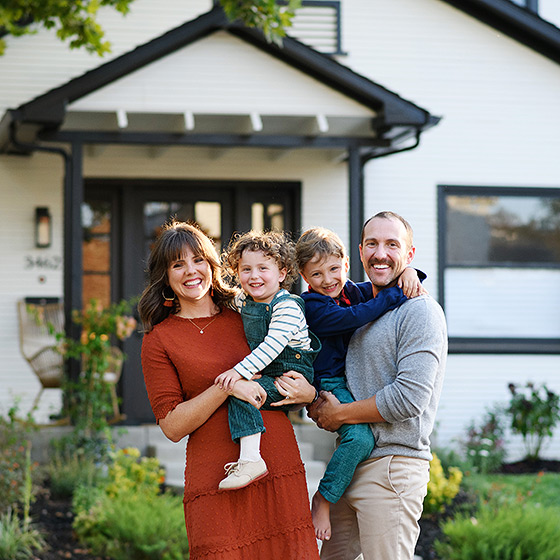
(43, 228)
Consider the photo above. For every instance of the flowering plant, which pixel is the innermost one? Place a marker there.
(88, 398)
(484, 446)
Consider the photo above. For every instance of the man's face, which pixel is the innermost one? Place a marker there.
(385, 251)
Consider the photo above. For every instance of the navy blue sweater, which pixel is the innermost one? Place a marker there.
(334, 324)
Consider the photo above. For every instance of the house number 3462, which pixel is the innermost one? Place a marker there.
(43, 263)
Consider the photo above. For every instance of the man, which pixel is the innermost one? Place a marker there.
(394, 369)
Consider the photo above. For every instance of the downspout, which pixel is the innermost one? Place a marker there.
(71, 329)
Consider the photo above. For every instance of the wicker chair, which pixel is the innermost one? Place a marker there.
(38, 347)
(38, 344)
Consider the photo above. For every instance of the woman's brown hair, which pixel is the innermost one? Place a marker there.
(170, 245)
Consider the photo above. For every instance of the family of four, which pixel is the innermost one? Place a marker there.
(222, 364)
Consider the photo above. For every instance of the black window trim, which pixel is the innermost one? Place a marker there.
(485, 345)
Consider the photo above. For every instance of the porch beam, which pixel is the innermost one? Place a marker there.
(73, 198)
(226, 140)
(356, 211)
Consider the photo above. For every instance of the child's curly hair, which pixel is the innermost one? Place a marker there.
(276, 245)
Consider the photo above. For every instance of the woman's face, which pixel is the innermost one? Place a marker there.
(190, 277)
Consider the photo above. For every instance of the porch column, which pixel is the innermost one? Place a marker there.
(73, 198)
(356, 203)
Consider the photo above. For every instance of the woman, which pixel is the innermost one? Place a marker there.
(191, 337)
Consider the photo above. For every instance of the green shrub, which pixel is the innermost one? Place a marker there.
(484, 446)
(518, 532)
(18, 540)
(441, 488)
(135, 527)
(67, 473)
(15, 468)
(126, 517)
(131, 472)
(534, 412)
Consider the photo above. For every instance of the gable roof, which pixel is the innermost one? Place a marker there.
(517, 22)
(48, 110)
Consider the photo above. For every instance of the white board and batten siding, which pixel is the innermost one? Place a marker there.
(500, 106)
(500, 103)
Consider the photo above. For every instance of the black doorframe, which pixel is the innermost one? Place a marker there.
(128, 197)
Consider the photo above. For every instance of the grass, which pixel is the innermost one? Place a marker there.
(542, 488)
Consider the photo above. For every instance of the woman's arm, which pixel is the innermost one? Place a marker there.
(189, 415)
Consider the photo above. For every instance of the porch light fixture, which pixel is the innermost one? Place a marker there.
(43, 227)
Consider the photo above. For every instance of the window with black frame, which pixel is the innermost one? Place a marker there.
(500, 268)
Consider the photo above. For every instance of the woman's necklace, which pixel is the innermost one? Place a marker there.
(201, 329)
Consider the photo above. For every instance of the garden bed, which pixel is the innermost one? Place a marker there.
(54, 519)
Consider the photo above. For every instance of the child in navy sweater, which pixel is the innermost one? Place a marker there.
(334, 308)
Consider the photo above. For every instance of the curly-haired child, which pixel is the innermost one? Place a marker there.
(276, 330)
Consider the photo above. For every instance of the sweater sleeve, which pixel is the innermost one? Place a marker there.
(162, 382)
(422, 336)
(286, 321)
(326, 318)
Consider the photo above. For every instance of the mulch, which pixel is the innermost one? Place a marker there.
(54, 519)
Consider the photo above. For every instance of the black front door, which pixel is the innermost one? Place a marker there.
(124, 220)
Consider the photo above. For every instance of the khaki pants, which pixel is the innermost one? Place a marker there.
(379, 512)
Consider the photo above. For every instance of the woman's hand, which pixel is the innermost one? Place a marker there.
(249, 391)
(295, 388)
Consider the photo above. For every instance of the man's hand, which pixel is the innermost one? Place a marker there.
(295, 389)
(325, 412)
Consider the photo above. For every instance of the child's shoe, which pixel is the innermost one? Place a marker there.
(242, 473)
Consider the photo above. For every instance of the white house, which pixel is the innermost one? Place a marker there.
(446, 111)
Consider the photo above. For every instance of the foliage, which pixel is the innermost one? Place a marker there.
(69, 471)
(131, 473)
(18, 540)
(519, 532)
(441, 488)
(73, 21)
(77, 21)
(88, 399)
(15, 463)
(269, 16)
(542, 489)
(126, 517)
(484, 446)
(534, 411)
(135, 527)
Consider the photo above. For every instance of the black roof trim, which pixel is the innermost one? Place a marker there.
(517, 22)
(49, 108)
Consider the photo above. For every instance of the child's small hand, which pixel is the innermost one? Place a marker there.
(410, 284)
(227, 380)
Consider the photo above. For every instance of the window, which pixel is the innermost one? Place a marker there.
(317, 24)
(500, 268)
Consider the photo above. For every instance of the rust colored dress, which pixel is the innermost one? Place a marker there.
(269, 519)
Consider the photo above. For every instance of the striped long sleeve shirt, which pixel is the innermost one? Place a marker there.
(287, 327)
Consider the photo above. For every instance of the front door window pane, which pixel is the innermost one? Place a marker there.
(267, 216)
(96, 251)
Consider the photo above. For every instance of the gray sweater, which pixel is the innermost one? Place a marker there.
(401, 358)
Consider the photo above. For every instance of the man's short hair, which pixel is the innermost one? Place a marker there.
(318, 242)
(388, 215)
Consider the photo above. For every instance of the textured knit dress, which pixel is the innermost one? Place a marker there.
(269, 519)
